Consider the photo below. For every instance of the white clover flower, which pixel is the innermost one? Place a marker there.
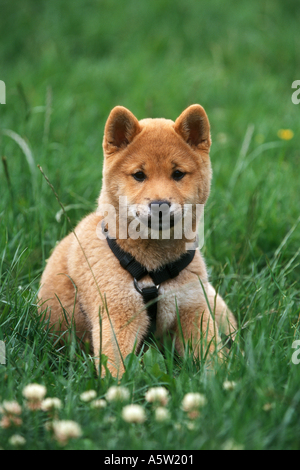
(10, 408)
(268, 406)
(230, 444)
(89, 395)
(191, 426)
(99, 403)
(34, 392)
(11, 411)
(115, 393)
(65, 430)
(178, 426)
(158, 395)
(162, 414)
(50, 404)
(134, 414)
(193, 401)
(17, 441)
(229, 385)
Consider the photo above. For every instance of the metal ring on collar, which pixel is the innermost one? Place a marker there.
(135, 282)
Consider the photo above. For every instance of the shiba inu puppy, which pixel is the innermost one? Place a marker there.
(121, 267)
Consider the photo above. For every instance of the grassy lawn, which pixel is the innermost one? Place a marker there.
(65, 66)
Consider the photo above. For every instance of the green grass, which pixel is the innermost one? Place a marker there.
(65, 66)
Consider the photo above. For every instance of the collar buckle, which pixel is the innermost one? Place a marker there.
(141, 291)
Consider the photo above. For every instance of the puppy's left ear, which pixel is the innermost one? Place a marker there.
(193, 126)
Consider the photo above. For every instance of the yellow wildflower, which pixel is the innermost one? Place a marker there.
(285, 134)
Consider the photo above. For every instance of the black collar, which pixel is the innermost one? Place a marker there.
(150, 294)
(138, 271)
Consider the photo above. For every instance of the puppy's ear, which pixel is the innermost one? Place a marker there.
(120, 129)
(193, 126)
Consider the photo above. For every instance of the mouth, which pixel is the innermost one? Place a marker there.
(158, 217)
(160, 224)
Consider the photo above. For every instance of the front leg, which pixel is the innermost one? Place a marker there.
(116, 335)
(199, 330)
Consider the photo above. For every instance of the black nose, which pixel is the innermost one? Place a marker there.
(159, 210)
(158, 203)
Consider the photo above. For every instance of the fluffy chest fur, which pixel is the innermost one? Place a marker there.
(177, 295)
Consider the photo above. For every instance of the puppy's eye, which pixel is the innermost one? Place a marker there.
(178, 175)
(139, 176)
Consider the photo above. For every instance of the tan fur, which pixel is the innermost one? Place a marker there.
(88, 279)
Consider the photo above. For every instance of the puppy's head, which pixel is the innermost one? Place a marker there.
(157, 163)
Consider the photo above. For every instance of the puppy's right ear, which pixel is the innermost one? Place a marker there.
(120, 129)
